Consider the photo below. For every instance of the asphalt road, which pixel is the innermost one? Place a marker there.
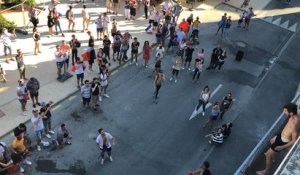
(159, 139)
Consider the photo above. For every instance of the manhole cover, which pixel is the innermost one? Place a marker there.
(241, 44)
(2, 114)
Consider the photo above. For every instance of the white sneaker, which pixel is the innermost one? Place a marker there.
(189, 68)
(175, 81)
(110, 158)
(105, 95)
(102, 161)
(27, 162)
(100, 98)
(51, 132)
(171, 79)
(130, 63)
(39, 148)
(21, 170)
(136, 64)
(203, 113)
(182, 68)
(24, 114)
(48, 136)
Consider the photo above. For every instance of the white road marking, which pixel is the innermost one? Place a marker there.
(195, 112)
(56, 107)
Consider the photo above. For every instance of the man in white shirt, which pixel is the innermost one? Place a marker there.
(21, 94)
(105, 23)
(86, 93)
(6, 39)
(38, 127)
(104, 142)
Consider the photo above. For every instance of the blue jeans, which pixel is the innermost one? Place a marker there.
(57, 23)
(200, 102)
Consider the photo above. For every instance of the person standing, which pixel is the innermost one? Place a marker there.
(106, 21)
(99, 25)
(146, 52)
(33, 16)
(204, 99)
(214, 57)
(64, 50)
(188, 56)
(36, 37)
(6, 39)
(225, 104)
(104, 142)
(21, 64)
(116, 6)
(221, 60)
(2, 74)
(133, 6)
(114, 27)
(106, 47)
(159, 51)
(146, 7)
(74, 44)
(242, 17)
(95, 93)
(33, 86)
(227, 25)
(127, 10)
(215, 111)
(79, 72)
(198, 70)
(134, 50)
(85, 18)
(176, 12)
(159, 78)
(116, 46)
(103, 77)
(46, 116)
(71, 19)
(175, 69)
(56, 17)
(22, 95)
(38, 127)
(86, 94)
(50, 23)
(285, 139)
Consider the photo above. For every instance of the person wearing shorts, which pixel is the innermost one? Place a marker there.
(175, 69)
(86, 94)
(79, 72)
(99, 24)
(213, 115)
(38, 126)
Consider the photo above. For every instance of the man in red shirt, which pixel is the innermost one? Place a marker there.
(184, 25)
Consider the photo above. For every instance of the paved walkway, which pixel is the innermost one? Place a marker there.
(43, 66)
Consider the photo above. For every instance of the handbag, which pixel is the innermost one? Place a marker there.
(73, 68)
(26, 97)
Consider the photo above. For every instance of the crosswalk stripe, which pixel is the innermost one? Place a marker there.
(195, 112)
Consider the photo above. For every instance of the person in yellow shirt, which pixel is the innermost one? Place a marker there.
(18, 144)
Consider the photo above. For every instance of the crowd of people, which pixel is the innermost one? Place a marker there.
(169, 35)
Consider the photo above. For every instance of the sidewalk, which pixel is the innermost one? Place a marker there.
(44, 63)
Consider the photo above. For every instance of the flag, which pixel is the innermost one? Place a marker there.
(149, 29)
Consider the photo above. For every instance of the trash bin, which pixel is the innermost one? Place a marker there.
(239, 55)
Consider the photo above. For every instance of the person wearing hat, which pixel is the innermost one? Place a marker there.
(46, 114)
(22, 95)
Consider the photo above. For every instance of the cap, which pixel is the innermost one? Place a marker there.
(42, 104)
(34, 110)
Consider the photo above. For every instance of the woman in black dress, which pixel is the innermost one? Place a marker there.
(50, 23)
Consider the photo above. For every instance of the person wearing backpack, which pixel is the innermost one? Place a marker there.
(71, 20)
(33, 86)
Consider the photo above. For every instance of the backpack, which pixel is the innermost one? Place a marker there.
(6, 153)
(68, 14)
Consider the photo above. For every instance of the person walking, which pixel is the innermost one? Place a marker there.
(85, 18)
(106, 21)
(198, 70)
(175, 69)
(56, 17)
(204, 99)
(134, 50)
(71, 19)
(285, 139)
(106, 47)
(221, 24)
(99, 27)
(21, 64)
(104, 142)
(50, 23)
(127, 10)
(33, 86)
(133, 7)
(79, 71)
(227, 25)
(36, 38)
(188, 55)
(146, 53)
(6, 39)
(46, 116)
(22, 95)
(160, 51)
(225, 104)
(146, 7)
(159, 78)
(248, 16)
(242, 17)
(116, 6)
(95, 93)
(215, 111)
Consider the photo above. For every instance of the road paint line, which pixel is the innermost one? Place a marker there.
(125, 65)
(72, 97)
(195, 112)
(114, 72)
(56, 107)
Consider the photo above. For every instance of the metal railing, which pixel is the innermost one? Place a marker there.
(23, 11)
(259, 148)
